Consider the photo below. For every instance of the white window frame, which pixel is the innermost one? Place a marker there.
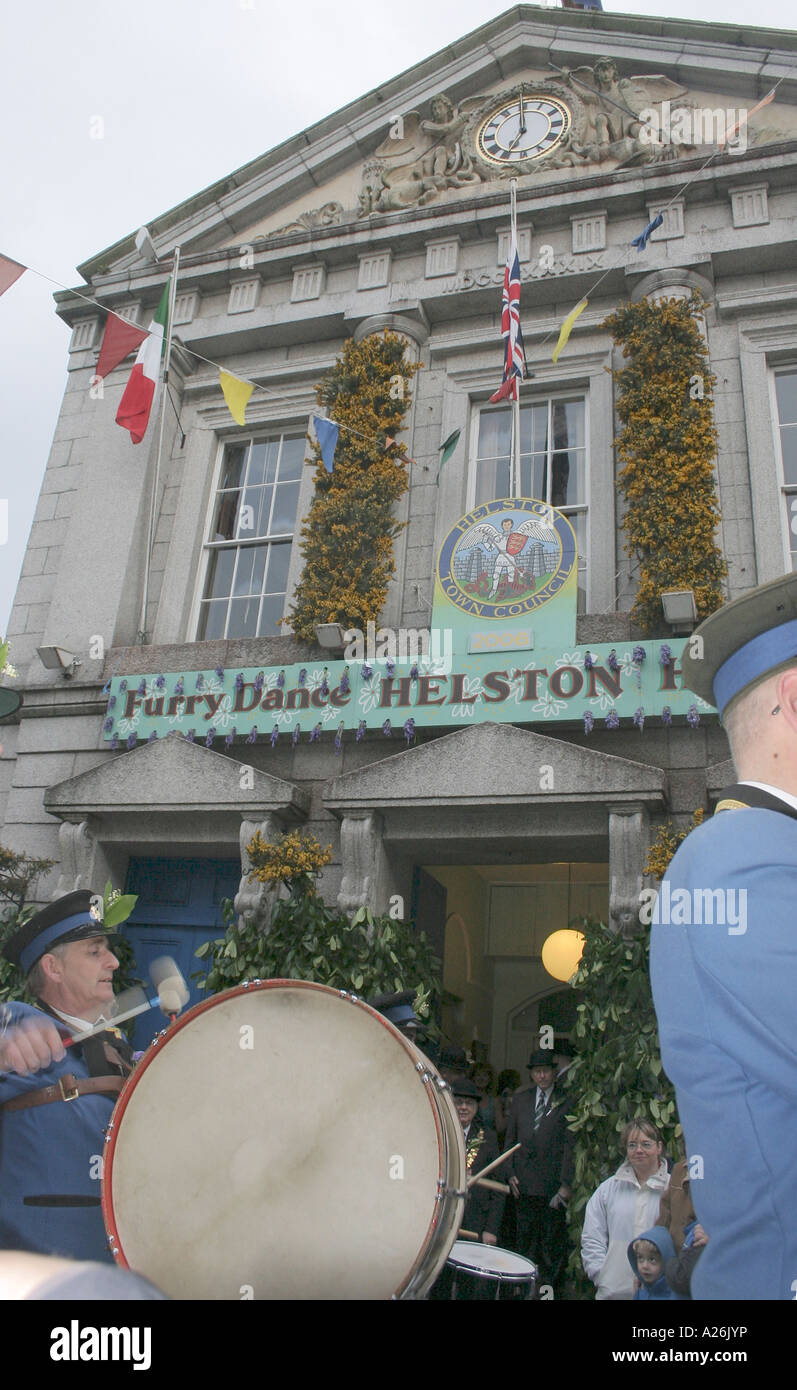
(784, 489)
(259, 436)
(536, 398)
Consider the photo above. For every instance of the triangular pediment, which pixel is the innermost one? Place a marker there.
(175, 775)
(493, 765)
(420, 142)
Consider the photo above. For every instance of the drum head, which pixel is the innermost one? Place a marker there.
(491, 1262)
(279, 1143)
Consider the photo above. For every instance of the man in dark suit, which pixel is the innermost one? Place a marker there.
(541, 1171)
(484, 1206)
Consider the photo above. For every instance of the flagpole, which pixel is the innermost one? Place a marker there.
(142, 622)
(514, 472)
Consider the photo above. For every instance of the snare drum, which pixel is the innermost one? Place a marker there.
(283, 1140)
(511, 1274)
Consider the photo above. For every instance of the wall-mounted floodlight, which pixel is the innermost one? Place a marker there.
(330, 635)
(680, 610)
(59, 659)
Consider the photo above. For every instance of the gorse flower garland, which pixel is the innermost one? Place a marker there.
(347, 539)
(668, 444)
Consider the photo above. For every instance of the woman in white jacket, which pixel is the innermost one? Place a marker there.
(621, 1209)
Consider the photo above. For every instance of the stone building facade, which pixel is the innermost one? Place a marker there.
(394, 212)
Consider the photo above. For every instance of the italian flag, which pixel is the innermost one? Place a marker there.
(136, 403)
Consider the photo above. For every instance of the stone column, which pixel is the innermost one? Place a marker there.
(628, 842)
(253, 901)
(361, 852)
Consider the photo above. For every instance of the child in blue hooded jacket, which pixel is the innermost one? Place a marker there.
(647, 1256)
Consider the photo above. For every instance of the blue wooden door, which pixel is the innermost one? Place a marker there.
(178, 908)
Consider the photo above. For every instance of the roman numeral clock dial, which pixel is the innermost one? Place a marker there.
(523, 129)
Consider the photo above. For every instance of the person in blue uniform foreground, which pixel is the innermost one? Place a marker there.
(724, 957)
(54, 1103)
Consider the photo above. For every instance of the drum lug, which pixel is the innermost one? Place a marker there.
(245, 984)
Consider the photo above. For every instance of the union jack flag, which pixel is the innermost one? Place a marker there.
(510, 328)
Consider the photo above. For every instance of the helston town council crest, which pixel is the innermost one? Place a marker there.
(507, 558)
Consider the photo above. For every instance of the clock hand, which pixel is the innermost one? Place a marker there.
(522, 116)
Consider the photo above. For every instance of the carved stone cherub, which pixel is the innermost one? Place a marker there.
(615, 119)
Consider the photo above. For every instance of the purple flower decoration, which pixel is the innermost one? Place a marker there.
(229, 737)
(390, 667)
(692, 717)
(200, 682)
(295, 735)
(259, 679)
(239, 681)
(666, 715)
(386, 729)
(153, 736)
(112, 702)
(280, 680)
(274, 735)
(107, 726)
(189, 737)
(219, 671)
(638, 655)
(612, 719)
(210, 737)
(115, 742)
(324, 687)
(639, 718)
(131, 740)
(252, 735)
(142, 687)
(360, 731)
(315, 733)
(302, 676)
(612, 662)
(179, 687)
(344, 682)
(414, 671)
(160, 682)
(366, 671)
(409, 730)
(665, 655)
(123, 685)
(339, 739)
(589, 661)
(589, 721)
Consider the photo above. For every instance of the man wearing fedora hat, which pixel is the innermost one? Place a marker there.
(541, 1172)
(724, 957)
(55, 1103)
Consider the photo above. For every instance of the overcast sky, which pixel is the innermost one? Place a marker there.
(187, 91)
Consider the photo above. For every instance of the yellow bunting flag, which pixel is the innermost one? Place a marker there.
(236, 394)
(567, 327)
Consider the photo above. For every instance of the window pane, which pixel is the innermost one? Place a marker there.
(250, 569)
(567, 478)
(211, 620)
(492, 480)
(279, 558)
(494, 435)
(269, 617)
(233, 465)
(533, 428)
(219, 578)
(568, 424)
(286, 500)
(263, 462)
(223, 528)
(790, 502)
(788, 446)
(292, 458)
(536, 473)
(243, 617)
(255, 522)
(786, 391)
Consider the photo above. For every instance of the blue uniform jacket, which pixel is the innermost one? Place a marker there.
(725, 995)
(51, 1150)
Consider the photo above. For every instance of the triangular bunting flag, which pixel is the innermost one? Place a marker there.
(119, 340)
(446, 450)
(641, 241)
(136, 403)
(326, 432)
(10, 272)
(567, 327)
(236, 394)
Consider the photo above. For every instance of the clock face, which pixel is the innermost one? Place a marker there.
(522, 129)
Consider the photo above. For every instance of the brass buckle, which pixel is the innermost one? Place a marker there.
(71, 1095)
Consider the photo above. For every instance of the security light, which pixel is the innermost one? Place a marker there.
(59, 659)
(330, 635)
(680, 610)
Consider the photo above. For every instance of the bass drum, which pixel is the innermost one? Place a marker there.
(283, 1140)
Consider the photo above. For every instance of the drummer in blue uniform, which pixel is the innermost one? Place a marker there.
(724, 957)
(56, 1104)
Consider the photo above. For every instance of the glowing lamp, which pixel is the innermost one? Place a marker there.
(561, 953)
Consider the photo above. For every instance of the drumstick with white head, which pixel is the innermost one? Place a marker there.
(171, 997)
